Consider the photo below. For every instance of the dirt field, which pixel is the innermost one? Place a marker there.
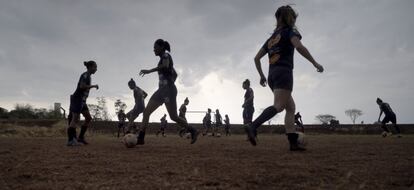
(331, 162)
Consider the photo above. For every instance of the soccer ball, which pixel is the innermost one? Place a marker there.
(301, 139)
(130, 140)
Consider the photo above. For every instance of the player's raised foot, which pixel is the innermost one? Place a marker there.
(250, 134)
(83, 141)
(73, 142)
(194, 134)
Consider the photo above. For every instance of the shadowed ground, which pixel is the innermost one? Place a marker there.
(332, 162)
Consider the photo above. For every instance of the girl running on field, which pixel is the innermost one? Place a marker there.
(166, 93)
(248, 108)
(139, 96)
(227, 125)
(78, 105)
(182, 111)
(280, 48)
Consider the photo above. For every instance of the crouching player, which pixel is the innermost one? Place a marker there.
(389, 117)
(78, 105)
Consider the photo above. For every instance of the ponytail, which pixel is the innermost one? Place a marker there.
(164, 44)
(89, 64)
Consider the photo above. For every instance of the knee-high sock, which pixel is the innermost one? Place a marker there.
(385, 128)
(267, 114)
(293, 138)
(141, 135)
(69, 131)
(397, 128)
(83, 131)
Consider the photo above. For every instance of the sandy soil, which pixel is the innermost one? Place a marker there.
(331, 162)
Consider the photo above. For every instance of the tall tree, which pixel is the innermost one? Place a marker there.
(23, 111)
(104, 110)
(119, 105)
(353, 114)
(4, 114)
(325, 118)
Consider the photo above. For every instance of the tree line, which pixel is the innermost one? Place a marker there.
(99, 112)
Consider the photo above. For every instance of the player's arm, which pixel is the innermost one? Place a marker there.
(305, 52)
(165, 63)
(258, 64)
(84, 86)
(380, 115)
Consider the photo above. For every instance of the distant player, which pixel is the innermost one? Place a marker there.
(163, 125)
(219, 123)
(78, 105)
(227, 125)
(182, 111)
(139, 96)
(298, 121)
(389, 117)
(121, 122)
(167, 91)
(248, 108)
(207, 122)
(280, 48)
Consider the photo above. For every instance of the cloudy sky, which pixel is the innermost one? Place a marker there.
(366, 47)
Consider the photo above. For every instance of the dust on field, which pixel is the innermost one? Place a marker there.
(331, 162)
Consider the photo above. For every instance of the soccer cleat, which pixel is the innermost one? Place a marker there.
(83, 141)
(293, 142)
(73, 143)
(296, 148)
(140, 138)
(250, 134)
(194, 135)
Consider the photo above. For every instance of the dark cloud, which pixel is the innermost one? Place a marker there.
(366, 47)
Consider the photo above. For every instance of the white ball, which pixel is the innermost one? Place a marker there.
(130, 140)
(301, 139)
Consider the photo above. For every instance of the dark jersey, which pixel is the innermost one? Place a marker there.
(297, 117)
(163, 121)
(207, 118)
(121, 117)
(249, 94)
(139, 97)
(385, 107)
(83, 93)
(183, 110)
(218, 119)
(280, 49)
(167, 75)
(227, 121)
